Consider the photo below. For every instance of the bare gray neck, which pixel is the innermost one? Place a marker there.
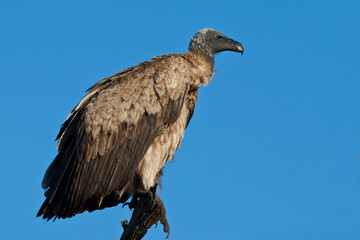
(198, 45)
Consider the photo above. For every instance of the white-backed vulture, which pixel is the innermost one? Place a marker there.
(116, 141)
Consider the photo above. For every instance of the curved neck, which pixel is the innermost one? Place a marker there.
(198, 45)
(203, 51)
(201, 67)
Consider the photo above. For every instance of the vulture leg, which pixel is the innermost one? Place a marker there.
(142, 194)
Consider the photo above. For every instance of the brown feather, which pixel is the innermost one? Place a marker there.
(104, 144)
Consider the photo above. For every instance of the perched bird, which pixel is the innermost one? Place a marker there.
(116, 141)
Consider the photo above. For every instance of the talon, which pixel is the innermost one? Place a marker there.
(163, 219)
(132, 204)
(166, 228)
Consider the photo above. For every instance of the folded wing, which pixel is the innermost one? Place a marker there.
(107, 134)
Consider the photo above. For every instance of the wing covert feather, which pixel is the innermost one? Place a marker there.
(105, 137)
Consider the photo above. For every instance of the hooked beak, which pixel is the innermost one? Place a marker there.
(236, 47)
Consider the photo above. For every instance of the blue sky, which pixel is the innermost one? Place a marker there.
(272, 151)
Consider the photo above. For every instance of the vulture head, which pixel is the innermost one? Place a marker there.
(210, 41)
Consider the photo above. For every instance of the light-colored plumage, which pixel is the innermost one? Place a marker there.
(119, 137)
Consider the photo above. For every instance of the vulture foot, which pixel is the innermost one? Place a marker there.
(160, 206)
(148, 210)
(151, 195)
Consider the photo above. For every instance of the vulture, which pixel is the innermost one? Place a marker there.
(118, 138)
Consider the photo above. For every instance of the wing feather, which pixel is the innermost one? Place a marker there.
(107, 134)
(190, 103)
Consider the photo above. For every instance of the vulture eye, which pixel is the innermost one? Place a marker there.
(219, 37)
